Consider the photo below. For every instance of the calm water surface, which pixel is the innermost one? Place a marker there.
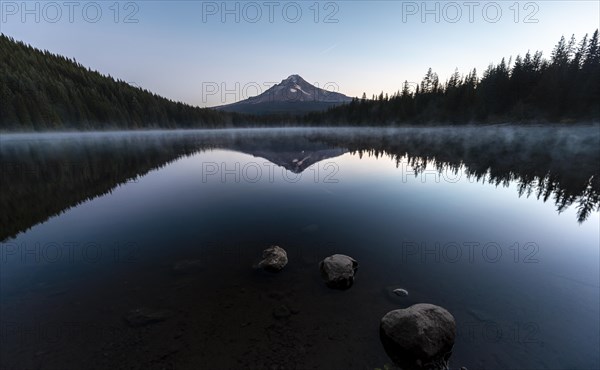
(499, 225)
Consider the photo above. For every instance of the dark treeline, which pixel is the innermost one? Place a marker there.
(564, 88)
(43, 91)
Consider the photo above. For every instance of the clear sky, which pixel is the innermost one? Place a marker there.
(192, 51)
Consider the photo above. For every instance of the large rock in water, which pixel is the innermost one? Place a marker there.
(338, 271)
(419, 337)
(274, 259)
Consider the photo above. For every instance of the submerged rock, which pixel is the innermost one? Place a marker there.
(146, 316)
(274, 259)
(310, 228)
(338, 271)
(419, 337)
(185, 267)
(282, 312)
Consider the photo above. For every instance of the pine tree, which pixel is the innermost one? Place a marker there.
(560, 54)
(580, 54)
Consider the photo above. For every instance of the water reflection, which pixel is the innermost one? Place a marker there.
(42, 177)
(183, 248)
(555, 162)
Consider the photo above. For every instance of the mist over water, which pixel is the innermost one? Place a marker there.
(498, 224)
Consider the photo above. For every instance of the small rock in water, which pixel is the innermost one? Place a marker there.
(274, 259)
(146, 316)
(338, 271)
(401, 292)
(398, 295)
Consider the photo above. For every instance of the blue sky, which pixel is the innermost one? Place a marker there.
(183, 49)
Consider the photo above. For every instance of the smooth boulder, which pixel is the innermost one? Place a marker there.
(274, 259)
(338, 271)
(419, 337)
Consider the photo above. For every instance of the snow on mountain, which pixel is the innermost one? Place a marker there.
(291, 95)
(296, 89)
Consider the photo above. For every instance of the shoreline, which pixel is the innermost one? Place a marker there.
(157, 130)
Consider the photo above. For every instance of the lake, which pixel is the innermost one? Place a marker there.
(497, 224)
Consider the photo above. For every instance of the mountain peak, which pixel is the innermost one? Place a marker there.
(290, 95)
(293, 78)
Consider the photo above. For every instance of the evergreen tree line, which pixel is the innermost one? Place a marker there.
(43, 91)
(565, 88)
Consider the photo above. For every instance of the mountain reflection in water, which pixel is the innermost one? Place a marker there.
(44, 175)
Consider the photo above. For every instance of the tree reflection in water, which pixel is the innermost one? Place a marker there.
(43, 178)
